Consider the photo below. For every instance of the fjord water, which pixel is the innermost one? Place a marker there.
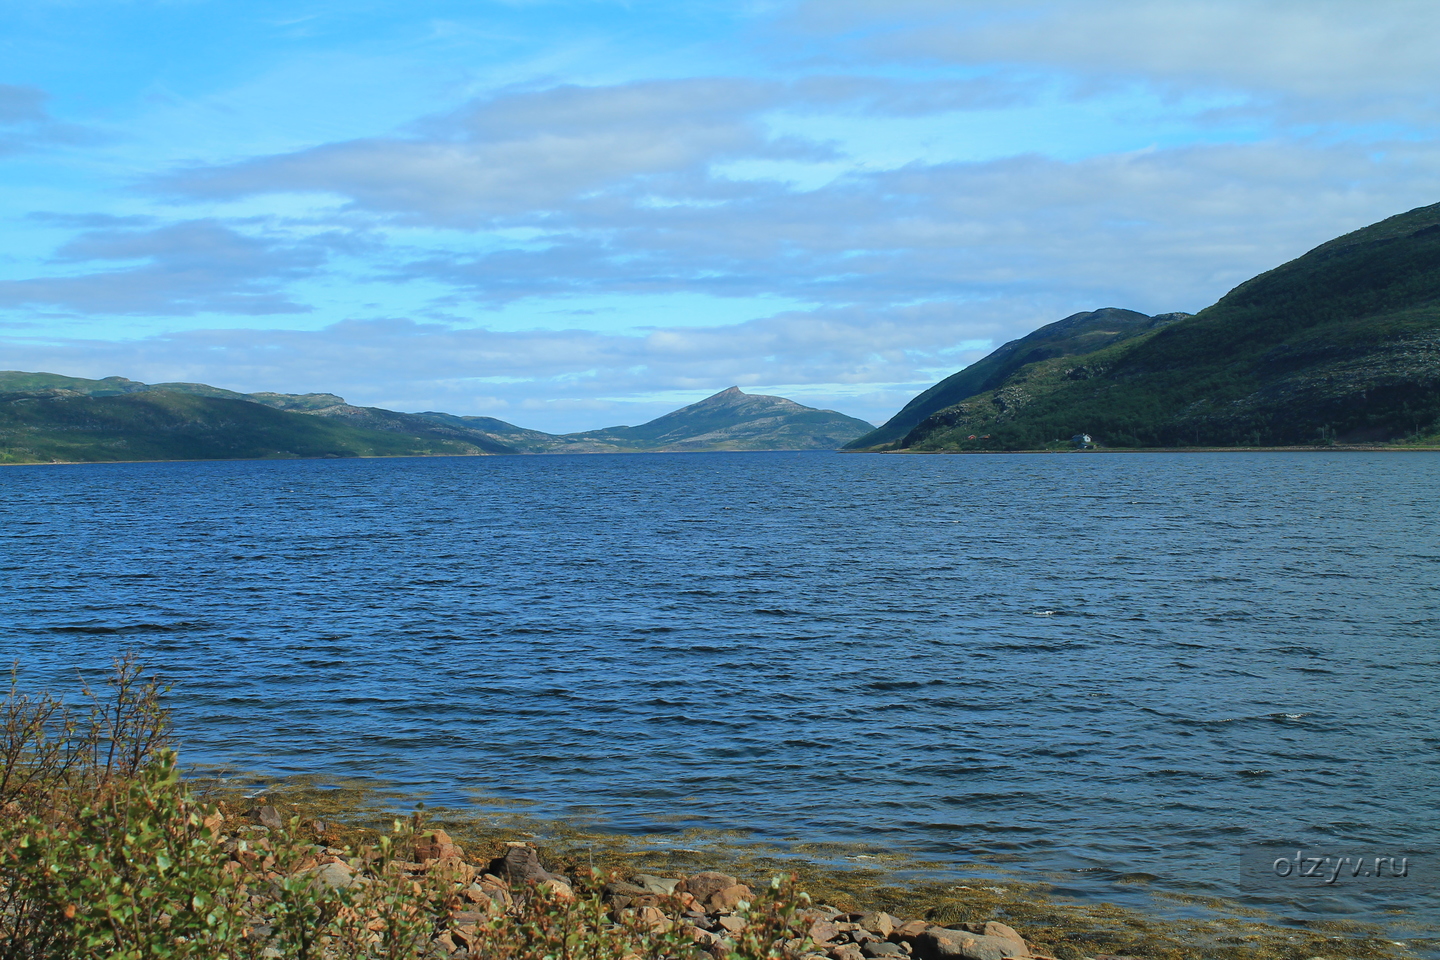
(1083, 668)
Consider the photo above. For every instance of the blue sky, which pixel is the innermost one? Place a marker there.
(577, 214)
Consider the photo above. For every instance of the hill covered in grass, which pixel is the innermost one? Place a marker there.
(1078, 333)
(1341, 345)
(49, 417)
(730, 420)
(166, 425)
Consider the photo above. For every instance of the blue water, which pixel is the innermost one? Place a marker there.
(1081, 667)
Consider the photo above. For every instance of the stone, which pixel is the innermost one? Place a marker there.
(453, 869)
(558, 890)
(520, 865)
(268, 816)
(704, 885)
(701, 936)
(994, 928)
(823, 931)
(846, 951)
(732, 923)
(660, 886)
(944, 943)
(909, 930)
(336, 874)
(878, 922)
(730, 898)
(876, 949)
(654, 918)
(436, 845)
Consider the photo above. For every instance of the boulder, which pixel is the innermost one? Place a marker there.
(878, 922)
(823, 931)
(945, 943)
(729, 899)
(520, 865)
(704, 885)
(660, 886)
(436, 845)
(268, 816)
(876, 949)
(337, 874)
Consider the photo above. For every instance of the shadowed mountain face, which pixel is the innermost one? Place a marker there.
(51, 417)
(1340, 345)
(1077, 334)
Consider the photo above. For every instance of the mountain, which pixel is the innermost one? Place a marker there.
(729, 420)
(171, 425)
(734, 420)
(1339, 345)
(1077, 334)
(47, 416)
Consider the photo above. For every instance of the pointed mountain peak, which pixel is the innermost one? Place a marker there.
(727, 397)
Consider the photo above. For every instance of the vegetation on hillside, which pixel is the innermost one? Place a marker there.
(1341, 345)
(1078, 333)
(165, 425)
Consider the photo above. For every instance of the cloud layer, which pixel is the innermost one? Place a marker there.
(916, 178)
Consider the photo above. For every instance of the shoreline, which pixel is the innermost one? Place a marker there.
(1075, 925)
(1337, 448)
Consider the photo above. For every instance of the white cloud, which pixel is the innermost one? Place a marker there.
(1323, 60)
(180, 269)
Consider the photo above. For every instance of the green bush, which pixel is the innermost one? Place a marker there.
(104, 852)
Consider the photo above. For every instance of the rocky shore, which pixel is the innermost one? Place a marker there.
(707, 909)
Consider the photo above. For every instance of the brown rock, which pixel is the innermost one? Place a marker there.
(436, 845)
(337, 874)
(703, 937)
(520, 865)
(654, 918)
(994, 928)
(557, 890)
(660, 886)
(453, 869)
(846, 951)
(704, 885)
(268, 816)
(876, 949)
(909, 930)
(944, 943)
(823, 931)
(878, 922)
(730, 898)
(732, 923)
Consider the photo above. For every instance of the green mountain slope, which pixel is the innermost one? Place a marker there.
(169, 425)
(46, 416)
(732, 420)
(1076, 334)
(1341, 344)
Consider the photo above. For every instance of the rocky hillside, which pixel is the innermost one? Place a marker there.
(1340, 345)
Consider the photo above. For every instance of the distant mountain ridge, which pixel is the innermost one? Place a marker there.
(54, 417)
(1341, 345)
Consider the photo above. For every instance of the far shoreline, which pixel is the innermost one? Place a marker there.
(1337, 448)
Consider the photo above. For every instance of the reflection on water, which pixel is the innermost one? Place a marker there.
(1101, 666)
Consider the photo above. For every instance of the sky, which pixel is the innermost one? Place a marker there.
(572, 214)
